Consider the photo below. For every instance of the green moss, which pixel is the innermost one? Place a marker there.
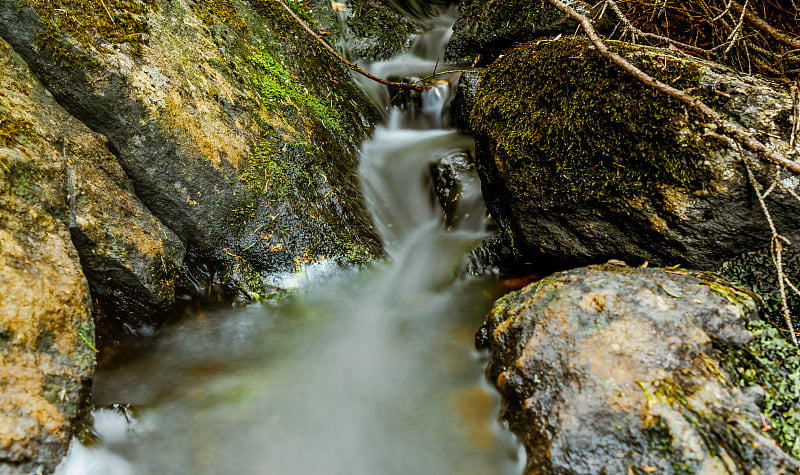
(213, 11)
(774, 364)
(86, 332)
(279, 89)
(90, 23)
(300, 10)
(576, 128)
(12, 130)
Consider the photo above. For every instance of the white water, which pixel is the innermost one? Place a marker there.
(373, 373)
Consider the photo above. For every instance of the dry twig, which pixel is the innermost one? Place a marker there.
(637, 32)
(776, 248)
(762, 25)
(743, 136)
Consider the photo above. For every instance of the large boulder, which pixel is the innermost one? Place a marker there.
(581, 163)
(236, 130)
(46, 327)
(612, 369)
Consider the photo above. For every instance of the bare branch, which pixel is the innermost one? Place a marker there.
(746, 138)
(762, 25)
(629, 26)
(351, 66)
(795, 114)
(736, 31)
(776, 249)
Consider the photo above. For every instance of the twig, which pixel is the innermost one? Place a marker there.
(725, 11)
(735, 33)
(776, 253)
(795, 114)
(351, 66)
(629, 26)
(762, 25)
(109, 13)
(451, 71)
(728, 127)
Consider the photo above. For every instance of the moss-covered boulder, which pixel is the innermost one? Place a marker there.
(237, 131)
(581, 163)
(612, 369)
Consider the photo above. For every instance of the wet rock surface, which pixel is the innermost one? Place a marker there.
(369, 30)
(236, 130)
(580, 163)
(485, 28)
(611, 369)
(46, 327)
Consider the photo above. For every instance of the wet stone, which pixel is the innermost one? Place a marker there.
(612, 369)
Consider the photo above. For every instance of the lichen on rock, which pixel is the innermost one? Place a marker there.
(191, 101)
(611, 369)
(46, 327)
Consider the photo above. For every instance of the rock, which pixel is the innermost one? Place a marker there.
(581, 163)
(486, 28)
(612, 369)
(46, 327)
(464, 100)
(368, 30)
(236, 130)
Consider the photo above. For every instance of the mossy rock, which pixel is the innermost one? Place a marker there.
(238, 131)
(582, 163)
(613, 369)
(371, 30)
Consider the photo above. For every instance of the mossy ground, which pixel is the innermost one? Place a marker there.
(581, 130)
(90, 23)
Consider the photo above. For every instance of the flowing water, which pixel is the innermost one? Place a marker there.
(359, 373)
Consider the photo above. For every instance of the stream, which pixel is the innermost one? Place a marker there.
(360, 372)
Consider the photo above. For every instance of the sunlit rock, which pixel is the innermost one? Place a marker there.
(236, 129)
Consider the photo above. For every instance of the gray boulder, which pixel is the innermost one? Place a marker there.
(612, 369)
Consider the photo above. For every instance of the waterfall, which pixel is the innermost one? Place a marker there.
(371, 373)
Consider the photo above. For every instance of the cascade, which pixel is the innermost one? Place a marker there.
(360, 373)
